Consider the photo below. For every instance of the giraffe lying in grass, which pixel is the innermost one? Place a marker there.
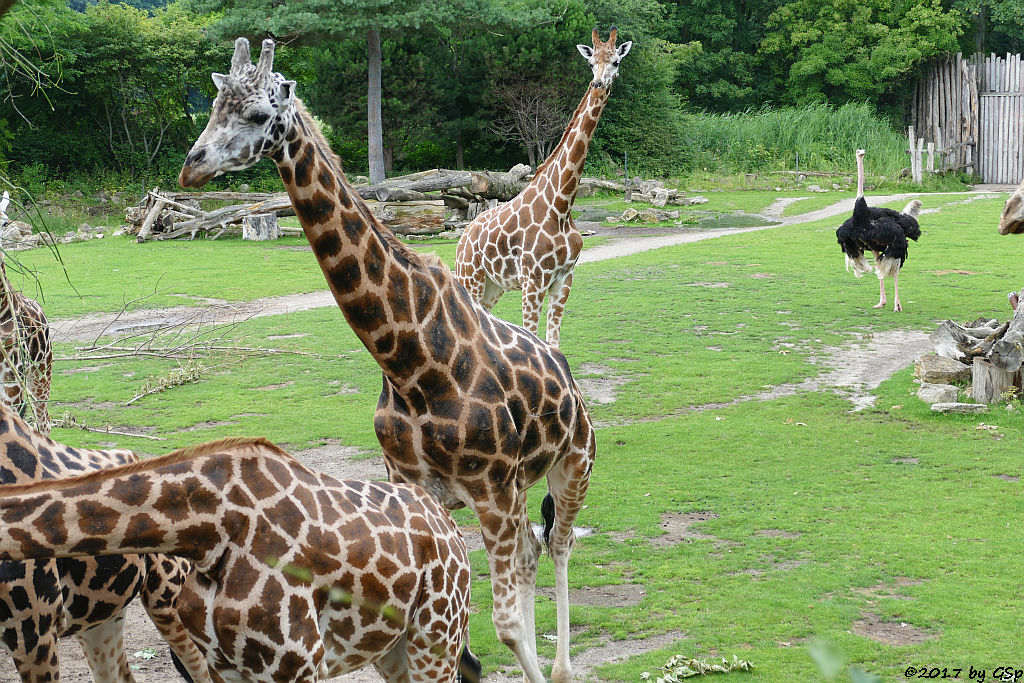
(297, 576)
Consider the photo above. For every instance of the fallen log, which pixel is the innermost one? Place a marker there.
(603, 184)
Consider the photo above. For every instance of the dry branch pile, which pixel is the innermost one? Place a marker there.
(994, 352)
(423, 203)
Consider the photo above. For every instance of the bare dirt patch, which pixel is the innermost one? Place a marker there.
(621, 595)
(208, 424)
(888, 589)
(271, 387)
(342, 462)
(777, 533)
(953, 272)
(677, 528)
(890, 632)
(85, 405)
(1007, 477)
(904, 461)
(297, 335)
(709, 285)
(599, 383)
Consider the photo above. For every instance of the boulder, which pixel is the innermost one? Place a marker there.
(629, 215)
(937, 369)
(964, 408)
(693, 200)
(937, 393)
(23, 227)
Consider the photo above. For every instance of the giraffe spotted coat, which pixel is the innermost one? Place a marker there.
(473, 408)
(298, 576)
(43, 600)
(26, 354)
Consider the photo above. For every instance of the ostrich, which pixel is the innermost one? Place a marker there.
(884, 232)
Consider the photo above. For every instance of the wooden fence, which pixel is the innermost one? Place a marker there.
(972, 111)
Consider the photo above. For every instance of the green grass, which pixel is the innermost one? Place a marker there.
(690, 330)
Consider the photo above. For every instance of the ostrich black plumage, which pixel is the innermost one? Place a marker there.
(883, 232)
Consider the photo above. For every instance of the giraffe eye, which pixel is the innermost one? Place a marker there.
(259, 118)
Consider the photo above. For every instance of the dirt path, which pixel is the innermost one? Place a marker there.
(90, 327)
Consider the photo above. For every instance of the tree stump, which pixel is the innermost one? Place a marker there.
(261, 226)
(989, 383)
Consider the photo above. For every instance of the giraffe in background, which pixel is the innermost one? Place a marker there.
(473, 409)
(26, 354)
(531, 242)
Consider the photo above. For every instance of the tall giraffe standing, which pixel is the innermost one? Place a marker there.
(298, 576)
(473, 409)
(531, 242)
(41, 601)
(26, 354)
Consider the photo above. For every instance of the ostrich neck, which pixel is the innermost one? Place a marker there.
(860, 176)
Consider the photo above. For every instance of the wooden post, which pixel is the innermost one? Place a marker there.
(931, 157)
(260, 226)
(147, 225)
(919, 155)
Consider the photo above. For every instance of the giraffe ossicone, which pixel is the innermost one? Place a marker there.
(473, 409)
(531, 243)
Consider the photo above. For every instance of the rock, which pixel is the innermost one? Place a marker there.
(360, 180)
(661, 197)
(629, 215)
(800, 178)
(451, 234)
(649, 186)
(85, 229)
(11, 234)
(694, 200)
(30, 241)
(937, 393)
(816, 188)
(77, 194)
(835, 186)
(118, 232)
(69, 238)
(244, 187)
(937, 369)
(23, 228)
(964, 408)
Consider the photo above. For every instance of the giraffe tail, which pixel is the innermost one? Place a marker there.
(547, 510)
(470, 670)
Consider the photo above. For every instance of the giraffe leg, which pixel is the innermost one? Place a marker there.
(492, 292)
(567, 485)
(526, 574)
(39, 391)
(896, 291)
(103, 646)
(533, 298)
(32, 618)
(165, 576)
(556, 306)
(501, 532)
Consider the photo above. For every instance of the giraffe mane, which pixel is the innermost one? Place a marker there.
(320, 140)
(565, 134)
(180, 455)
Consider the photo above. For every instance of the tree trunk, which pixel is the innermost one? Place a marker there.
(374, 127)
(460, 162)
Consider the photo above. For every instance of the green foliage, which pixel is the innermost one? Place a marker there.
(851, 50)
(770, 139)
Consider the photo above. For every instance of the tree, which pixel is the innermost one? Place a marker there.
(854, 50)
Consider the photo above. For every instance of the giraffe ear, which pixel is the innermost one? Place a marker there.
(286, 91)
(586, 51)
(623, 50)
(218, 80)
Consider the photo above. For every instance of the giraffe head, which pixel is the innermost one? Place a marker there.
(604, 58)
(248, 118)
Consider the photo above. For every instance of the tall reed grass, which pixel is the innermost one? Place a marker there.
(823, 136)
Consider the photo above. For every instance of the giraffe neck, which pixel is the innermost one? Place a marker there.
(384, 289)
(173, 504)
(563, 168)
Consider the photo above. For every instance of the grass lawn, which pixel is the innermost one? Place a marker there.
(752, 527)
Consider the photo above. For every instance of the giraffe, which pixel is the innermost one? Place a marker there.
(26, 355)
(41, 601)
(531, 242)
(474, 409)
(297, 576)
